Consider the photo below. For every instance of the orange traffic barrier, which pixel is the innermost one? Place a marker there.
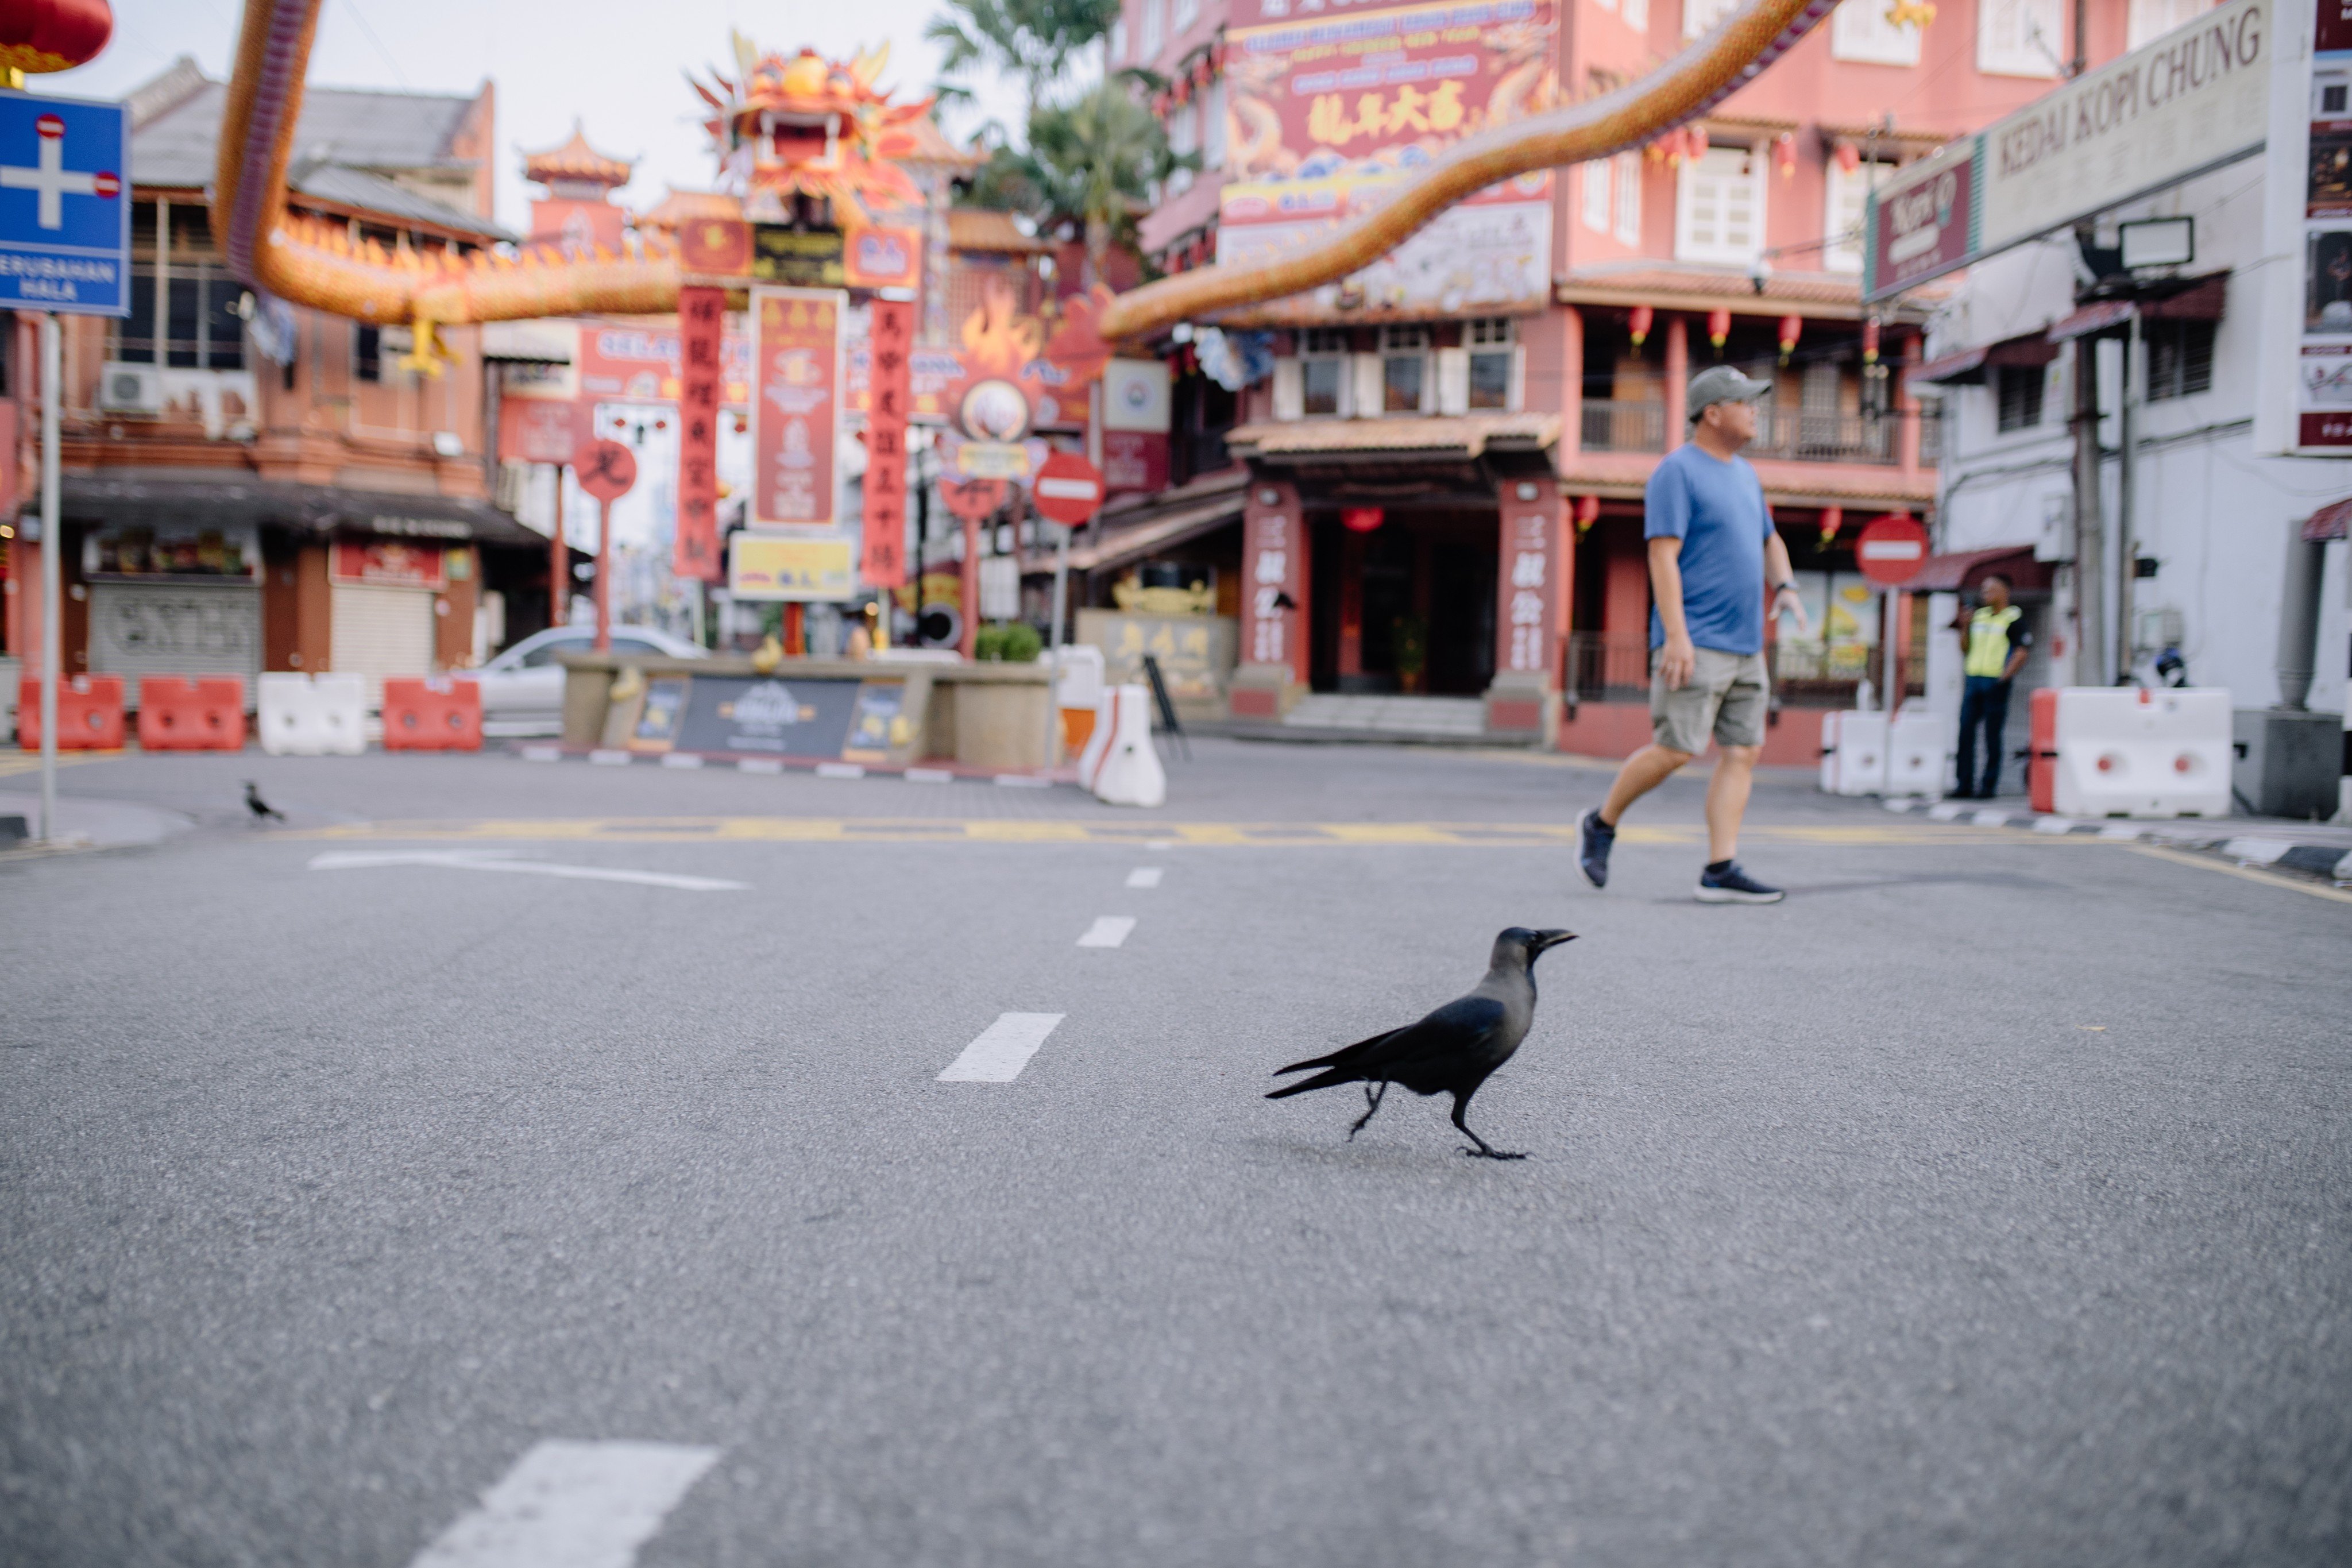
(2041, 751)
(433, 713)
(178, 713)
(89, 713)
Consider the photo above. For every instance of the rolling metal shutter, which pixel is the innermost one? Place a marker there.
(378, 631)
(176, 628)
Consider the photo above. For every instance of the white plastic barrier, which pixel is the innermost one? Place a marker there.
(1078, 676)
(1853, 752)
(2125, 751)
(313, 715)
(1119, 763)
(1919, 756)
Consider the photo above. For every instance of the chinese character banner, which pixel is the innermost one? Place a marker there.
(796, 417)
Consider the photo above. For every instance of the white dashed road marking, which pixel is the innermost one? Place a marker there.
(572, 1505)
(496, 860)
(1144, 877)
(1003, 1049)
(1109, 931)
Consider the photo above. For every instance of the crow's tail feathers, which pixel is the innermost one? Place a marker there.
(1339, 1058)
(1320, 1081)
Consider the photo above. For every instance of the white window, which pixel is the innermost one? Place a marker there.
(1596, 195)
(2020, 37)
(1841, 247)
(1155, 31)
(1494, 361)
(1183, 136)
(1637, 14)
(1118, 41)
(1629, 197)
(1719, 207)
(1698, 15)
(1406, 384)
(1213, 127)
(1187, 13)
(1323, 371)
(2151, 19)
(1860, 31)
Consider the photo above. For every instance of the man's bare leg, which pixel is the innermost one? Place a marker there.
(1727, 800)
(1645, 771)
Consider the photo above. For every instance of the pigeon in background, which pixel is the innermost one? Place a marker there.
(262, 810)
(1453, 1049)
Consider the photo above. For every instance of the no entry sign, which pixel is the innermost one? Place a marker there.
(1890, 549)
(1068, 488)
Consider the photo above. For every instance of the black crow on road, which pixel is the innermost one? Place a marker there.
(262, 810)
(1453, 1049)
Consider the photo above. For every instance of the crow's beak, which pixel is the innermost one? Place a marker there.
(1548, 939)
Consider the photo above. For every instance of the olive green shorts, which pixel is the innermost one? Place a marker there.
(1725, 697)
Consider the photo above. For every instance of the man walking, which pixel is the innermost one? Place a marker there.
(1994, 640)
(1712, 549)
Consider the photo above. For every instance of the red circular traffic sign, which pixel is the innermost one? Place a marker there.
(1068, 488)
(608, 469)
(1890, 549)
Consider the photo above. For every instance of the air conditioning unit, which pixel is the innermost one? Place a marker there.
(130, 389)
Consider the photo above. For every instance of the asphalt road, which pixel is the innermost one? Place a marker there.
(1989, 1201)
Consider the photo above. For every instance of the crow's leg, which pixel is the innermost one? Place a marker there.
(1373, 1095)
(1484, 1151)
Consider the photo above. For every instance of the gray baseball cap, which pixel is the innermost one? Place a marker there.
(1721, 383)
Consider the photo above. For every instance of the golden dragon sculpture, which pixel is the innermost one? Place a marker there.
(318, 265)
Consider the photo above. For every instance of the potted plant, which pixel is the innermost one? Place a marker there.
(1409, 639)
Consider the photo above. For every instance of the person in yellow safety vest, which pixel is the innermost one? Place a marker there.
(1994, 640)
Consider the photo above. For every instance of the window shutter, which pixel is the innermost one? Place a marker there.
(1517, 397)
(1370, 389)
(1453, 380)
(1289, 389)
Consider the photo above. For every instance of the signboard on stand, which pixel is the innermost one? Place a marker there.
(65, 215)
(797, 406)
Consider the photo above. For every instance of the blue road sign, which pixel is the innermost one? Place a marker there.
(65, 205)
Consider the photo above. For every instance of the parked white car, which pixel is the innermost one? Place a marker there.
(522, 689)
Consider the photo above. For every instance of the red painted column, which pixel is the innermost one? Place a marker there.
(1906, 408)
(1571, 384)
(969, 608)
(1352, 603)
(1677, 379)
(1274, 658)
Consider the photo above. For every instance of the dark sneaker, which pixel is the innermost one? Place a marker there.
(1594, 839)
(1733, 886)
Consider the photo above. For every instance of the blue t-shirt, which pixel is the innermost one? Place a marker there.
(1716, 509)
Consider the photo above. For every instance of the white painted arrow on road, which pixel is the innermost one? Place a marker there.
(498, 860)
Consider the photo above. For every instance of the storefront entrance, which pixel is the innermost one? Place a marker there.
(1406, 607)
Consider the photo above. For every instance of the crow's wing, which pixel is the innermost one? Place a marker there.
(1339, 1058)
(1455, 1033)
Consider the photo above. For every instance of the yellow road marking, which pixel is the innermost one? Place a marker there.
(13, 764)
(1204, 834)
(2268, 878)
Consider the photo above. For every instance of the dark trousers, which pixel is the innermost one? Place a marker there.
(1983, 701)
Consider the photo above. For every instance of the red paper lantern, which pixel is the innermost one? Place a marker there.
(1791, 328)
(1361, 519)
(1870, 340)
(1832, 519)
(1719, 327)
(1694, 142)
(1640, 319)
(1587, 512)
(39, 35)
(1848, 156)
(1784, 154)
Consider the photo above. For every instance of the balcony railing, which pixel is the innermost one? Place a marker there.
(1604, 665)
(1624, 426)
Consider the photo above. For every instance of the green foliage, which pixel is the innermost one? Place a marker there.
(1408, 641)
(1033, 39)
(1013, 642)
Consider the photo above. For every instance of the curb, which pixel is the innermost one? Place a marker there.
(2332, 861)
(933, 773)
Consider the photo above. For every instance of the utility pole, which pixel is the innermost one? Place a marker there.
(52, 572)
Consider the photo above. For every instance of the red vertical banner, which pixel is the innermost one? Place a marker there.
(701, 324)
(891, 346)
(796, 408)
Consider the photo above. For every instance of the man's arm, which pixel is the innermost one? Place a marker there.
(1783, 577)
(1678, 658)
(2018, 645)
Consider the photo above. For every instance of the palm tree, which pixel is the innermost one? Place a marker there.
(1095, 163)
(1033, 39)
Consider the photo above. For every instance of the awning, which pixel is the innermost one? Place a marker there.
(1118, 546)
(2327, 522)
(320, 510)
(1968, 365)
(1417, 436)
(1962, 572)
(2174, 300)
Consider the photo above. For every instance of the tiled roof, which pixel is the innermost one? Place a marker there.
(358, 189)
(687, 206)
(379, 131)
(975, 228)
(1466, 434)
(575, 159)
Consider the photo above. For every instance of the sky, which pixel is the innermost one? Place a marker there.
(615, 64)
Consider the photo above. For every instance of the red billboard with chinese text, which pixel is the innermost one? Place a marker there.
(796, 416)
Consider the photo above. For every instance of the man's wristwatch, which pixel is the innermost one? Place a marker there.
(1787, 587)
